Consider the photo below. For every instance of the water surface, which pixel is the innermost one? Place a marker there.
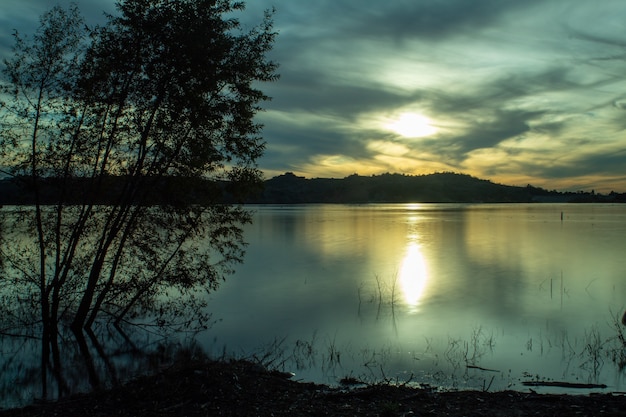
(430, 292)
(451, 295)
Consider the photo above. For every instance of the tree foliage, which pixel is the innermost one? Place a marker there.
(166, 89)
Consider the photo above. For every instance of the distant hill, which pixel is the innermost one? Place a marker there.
(444, 187)
(288, 188)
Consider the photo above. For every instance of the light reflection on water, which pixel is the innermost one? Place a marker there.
(429, 289)
(413, 276)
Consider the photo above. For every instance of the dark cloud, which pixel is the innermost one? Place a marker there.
(616, 40)
(504, 125)
(579, 166)
(428, 19)
(23, 16)
(319, 91)
(316, 140)
(503, 90)
(431, 19)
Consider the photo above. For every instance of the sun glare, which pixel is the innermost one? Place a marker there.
(412, 125)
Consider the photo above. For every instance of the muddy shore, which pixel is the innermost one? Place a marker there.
(240, 388)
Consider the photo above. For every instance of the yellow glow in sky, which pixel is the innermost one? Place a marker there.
(412, 125)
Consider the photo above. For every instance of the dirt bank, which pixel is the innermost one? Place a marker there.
(243, 389)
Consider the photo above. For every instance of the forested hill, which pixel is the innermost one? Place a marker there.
(396, 188)
(291, 189)
(389, 188)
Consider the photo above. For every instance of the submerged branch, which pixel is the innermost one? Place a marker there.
(561, 384)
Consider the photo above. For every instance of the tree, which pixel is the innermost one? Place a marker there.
(161, 97)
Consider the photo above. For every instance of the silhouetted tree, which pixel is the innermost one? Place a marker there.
(165, 89)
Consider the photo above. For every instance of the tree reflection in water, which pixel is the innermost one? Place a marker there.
(87, 361)
(147, 301)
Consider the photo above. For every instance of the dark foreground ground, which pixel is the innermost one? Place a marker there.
(243, 389)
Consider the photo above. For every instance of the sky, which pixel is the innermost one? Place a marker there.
(517, 92)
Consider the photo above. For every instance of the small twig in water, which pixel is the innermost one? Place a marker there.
(488, 386)
(561, 384)
(482, 369)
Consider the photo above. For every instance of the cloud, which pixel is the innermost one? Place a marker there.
(397, 20)
(23, 16)
(432, 20)
(588, 164)
(531, 91)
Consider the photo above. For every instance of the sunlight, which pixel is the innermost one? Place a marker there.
(413, 276)
(412, 125)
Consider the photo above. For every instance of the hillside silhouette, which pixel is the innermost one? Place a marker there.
(446, 187)
(288, 188)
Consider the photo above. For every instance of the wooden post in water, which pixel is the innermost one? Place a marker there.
(561, 216)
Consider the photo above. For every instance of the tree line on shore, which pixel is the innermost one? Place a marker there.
(288, 188)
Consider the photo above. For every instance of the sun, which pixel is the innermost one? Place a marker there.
(412, 125)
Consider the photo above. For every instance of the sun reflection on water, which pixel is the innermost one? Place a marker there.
(413, 276)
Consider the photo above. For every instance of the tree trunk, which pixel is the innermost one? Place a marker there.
(85, 303)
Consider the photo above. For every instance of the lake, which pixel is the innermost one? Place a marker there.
(452, 295)
(455, 296)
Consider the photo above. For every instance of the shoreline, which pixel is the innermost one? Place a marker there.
(242, 388)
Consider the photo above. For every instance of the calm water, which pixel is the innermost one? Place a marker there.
(424, 290)
(455, 296)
